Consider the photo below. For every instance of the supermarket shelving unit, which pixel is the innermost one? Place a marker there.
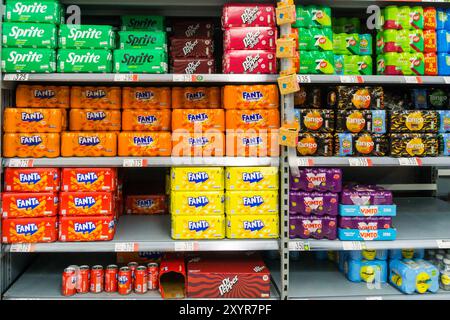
(421, 222)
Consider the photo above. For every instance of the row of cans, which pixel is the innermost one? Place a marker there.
(112, 279)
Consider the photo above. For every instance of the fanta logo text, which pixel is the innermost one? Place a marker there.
(44, 94)
(252, 118)
(255, 225)
(26, 229)
(96, 116)
(85, 202)
(227, 285)
(198, 226)
(195, 96)
(202, 141)
(252, 96)
(32, 117)
(95, 94)
(31, 141)
(86, 227)
(35, 7)
(255, 141)
(29, 178)
(143, 141)
(123, 279)
(27, 204)
(146, 119)
(148, 203)
(89, 177)
(88, 141)
(198, 177)
(252, 177)
(254, 201)
(249, 15)
(90, 33)
(32, 32)
(201, 117)
(198, 202)
(144, 95)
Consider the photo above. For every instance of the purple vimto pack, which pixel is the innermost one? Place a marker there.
(361, 195)
(313, 203)
(317, 179)
(312, 227)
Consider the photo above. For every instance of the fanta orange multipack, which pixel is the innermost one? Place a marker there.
(196, 97)
(36, 96)
(31, 145)
(145, 204)
(252, 144)
(95, 120)
(32, 179)
(146, 98)
(146, 120)
(250, 97)
(29, 230)
(85, 228)
(89, 144)
(258, 119)
(95, 97)
(34, 120)
(86, 203)
(207, 144)
(89, 179)
(198, 120)
(148, 144)
(29, 205)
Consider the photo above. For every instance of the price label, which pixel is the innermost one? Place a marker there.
(20, 163)
(126, 77)
(16, 77)
(374, 298)
(447, 80)
(305, 162)
(186, 246)
(126, 247)
(134, 163)
(299, 246)
(353, 245)
(304, 79)
(22, 247)
(413, 80)
(360, 162)
(188, 78)
(443, 244)
(410, 162)
(352, 79)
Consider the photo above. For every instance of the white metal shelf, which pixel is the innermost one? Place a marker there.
(42, 281)
(368, 161)
(321, 280)
(146, 161)
(420, 222)
(148, 233)
(373, 79)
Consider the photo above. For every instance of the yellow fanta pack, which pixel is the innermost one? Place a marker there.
(197, 203)
(253, 227)
(251, 178)
(198, 227)
(251, 202)
(195, 179)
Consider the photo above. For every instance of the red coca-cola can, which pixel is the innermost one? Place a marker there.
(133, 266)
(124, 281)
(97, 278)
(111, 275)
(83, 279)
(140, 280)
(152, 276)
(69, 281)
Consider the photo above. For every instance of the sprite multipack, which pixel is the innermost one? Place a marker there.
(140, 61)
(76, 36)
(143, 40)
(28, 60)
(46, 11)
(145, 23)
(29, 35)
(84, 60)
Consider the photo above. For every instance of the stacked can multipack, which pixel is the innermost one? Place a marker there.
(249, 38)
(29, 38)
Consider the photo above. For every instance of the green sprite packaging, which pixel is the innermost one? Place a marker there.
(314, 62)
(143, 40)
(33, 11)
(29, 35)
(315, 39)
(140, 61)
(84, 60)
(76, 36)
(146, 23)
(28, 60)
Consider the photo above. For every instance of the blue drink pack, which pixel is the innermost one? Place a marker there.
(443, 41)
(410, 276)
(368, 255)
(399, 254)
(367, 235)
(444, 64)
(367, 211)
(366, 271)
(341, 260)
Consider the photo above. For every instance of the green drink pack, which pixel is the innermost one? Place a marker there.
(352, 44)
(29, 35)
(33, 11)
(28, 60)
(140, 61)
(315, 62)
(143, 40)
(84, 60)
(313, 16)
(76, 36)
(146, 23)
(315, 39)
(353, 65)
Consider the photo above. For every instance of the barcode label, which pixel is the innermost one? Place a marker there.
(134, 163)
(17, 77)
(412, 162)
(126, 247)
(20, 163)
(443, 244)
(188, 78)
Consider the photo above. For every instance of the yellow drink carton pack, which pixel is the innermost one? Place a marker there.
(197, 203)
(251, 178)
(251, 202)
(195, 179)
(253, 227)
(198, 227)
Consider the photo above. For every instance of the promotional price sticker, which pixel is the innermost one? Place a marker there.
(443, 244)
(188, 78)
(134, 163)
(126, 247)
(352, 79)
(353, 245)
(410, 162)
(186, 246)
(414, 80)
(20, 163)
(22, 247)
(447, 80)
(360, 162)
(17, 77)
(299, 246)
(126, 77)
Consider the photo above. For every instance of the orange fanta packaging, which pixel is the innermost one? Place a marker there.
(207, 144)
(31, 145)
(198, 120)
(146, 120)
(146, 204)
(250, 97)
(258, 119)
(95, 98)
(148, 144)
(85, 203)
(252, 144)
(89, 179)
(89, 144)
(86, 228)
(95, 120)
(42, 96)
(33, 120)
(29, 205)
(29, 230)
(146, 98)
(196, 97)
(32, 179)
